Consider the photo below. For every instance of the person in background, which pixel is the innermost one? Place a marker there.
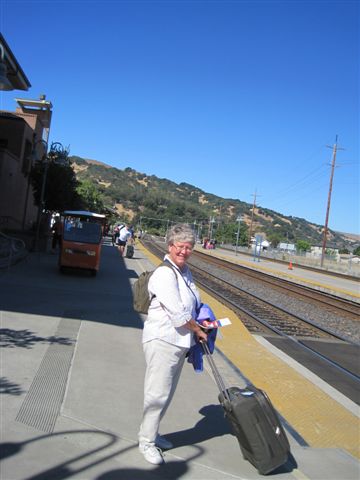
(168, 335)
(125, 234)
(56, 233)
(115, 234)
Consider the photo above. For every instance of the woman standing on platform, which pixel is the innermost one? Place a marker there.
(167, 336)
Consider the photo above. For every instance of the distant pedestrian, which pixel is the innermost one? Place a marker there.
(56, 233)
(125, 233)
(116, 233)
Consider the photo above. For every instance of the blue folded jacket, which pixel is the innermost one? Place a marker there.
(195, 355)
(196, 352)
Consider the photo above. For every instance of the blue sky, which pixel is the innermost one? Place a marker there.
(230, 96)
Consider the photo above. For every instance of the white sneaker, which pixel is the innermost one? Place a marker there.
(162, 443)
(152, 454)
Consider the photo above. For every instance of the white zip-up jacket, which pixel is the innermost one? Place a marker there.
(173, 305)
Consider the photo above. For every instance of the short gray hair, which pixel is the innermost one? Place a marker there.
(181, 232)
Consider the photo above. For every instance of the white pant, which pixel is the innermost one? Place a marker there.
(164, 364)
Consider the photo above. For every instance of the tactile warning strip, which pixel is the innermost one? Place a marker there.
(42, 403)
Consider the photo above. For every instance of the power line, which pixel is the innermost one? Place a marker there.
(300, 193)
(302, 183)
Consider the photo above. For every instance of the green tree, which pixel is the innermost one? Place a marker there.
(227, 233)
(91, 198)
(274, 238)
(303, 246)
(357, 251)
(60, 186)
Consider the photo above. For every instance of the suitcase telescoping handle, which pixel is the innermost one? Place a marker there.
(218, 378)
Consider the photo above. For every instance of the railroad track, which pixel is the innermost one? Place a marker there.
(280, 326)
(259, 315)
(331, 302)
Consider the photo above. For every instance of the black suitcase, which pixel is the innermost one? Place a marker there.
(129, 251)
(255, 423)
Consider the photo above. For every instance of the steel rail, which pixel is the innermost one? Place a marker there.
(278, 332)
(267, 325)
(314, 325)
(333, 301)
(160, 251)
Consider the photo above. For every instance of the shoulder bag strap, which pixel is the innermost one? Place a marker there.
(169, 264)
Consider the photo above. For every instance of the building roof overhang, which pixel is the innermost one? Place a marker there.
(15, 73)
(26, 103)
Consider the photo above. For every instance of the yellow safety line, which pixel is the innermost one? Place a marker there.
(318, 418)
(313, 413)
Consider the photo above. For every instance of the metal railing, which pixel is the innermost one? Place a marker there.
(7, 221)
(348, 267)
(12, 250)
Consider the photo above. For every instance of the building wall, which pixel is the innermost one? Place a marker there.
(316, 251)
(36, 119)
(18, 132)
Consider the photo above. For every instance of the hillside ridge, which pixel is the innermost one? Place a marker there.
(134, 194)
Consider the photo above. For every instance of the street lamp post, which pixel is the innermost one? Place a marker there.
(199, 230)
(211, 223)
(42, 192)
(58, 155)
(195, 232)
(257, 247)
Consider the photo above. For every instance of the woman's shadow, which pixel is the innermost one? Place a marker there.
(213, 424)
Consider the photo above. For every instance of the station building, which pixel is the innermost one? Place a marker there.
(23, 140)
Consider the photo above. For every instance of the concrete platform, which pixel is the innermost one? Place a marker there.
(72, 379)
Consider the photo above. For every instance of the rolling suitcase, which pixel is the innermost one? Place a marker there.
(254, 421)
(129, 251)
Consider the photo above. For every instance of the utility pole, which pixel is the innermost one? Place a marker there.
(200, 230)
(239, 218)
(335, 149)
(252, 219)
